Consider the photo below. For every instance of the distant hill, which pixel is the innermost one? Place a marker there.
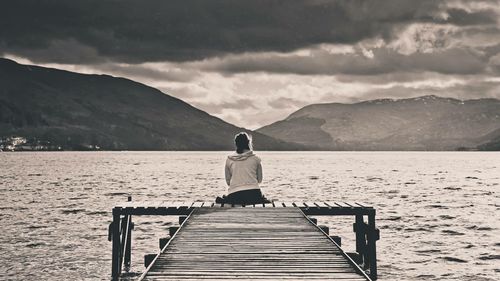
(491, 141)
(78, 110)
(423, 123)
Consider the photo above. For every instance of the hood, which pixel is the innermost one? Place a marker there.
(242, 156)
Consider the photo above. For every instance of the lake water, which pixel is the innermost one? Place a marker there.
(438, 212)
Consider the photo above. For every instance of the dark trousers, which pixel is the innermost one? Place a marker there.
(251, 196)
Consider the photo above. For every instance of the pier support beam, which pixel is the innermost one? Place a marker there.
(360, 230)
(356, 257)
(115, 236)
(128, 252)
(172, 230)
(366, 233)
(148, 259)
(182, 219)
(337, 240)
(127, 226)
(325, 229)
(373, 236)
(163, 241)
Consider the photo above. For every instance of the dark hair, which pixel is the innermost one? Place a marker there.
(243, 141)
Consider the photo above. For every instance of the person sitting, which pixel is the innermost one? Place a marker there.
(243, 174)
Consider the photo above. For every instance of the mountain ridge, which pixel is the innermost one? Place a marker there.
(420, 123)
(78, 110)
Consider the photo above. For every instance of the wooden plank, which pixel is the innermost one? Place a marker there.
(169, 204)
(197, 204)
(186, 204)
(329, 204)
(177, 204)
(363, 204)
(166, 246)
(341, 204)
(243, 277)
(251, 243)
(321, 204)
(208, 204)
(312, 204)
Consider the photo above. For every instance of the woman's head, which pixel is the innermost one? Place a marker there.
(243, 141)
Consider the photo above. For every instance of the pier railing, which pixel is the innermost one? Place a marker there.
(366, 232)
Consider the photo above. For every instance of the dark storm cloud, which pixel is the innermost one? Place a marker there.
(462, 17)
(68, 51)
(381, 61)
(85, 31)
(149, 72)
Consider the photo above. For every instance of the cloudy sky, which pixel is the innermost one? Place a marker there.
(254, 62)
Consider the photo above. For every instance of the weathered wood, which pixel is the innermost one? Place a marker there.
(163, 241)
(182, 219)
(360, 230)
(247, 234)
(115, 236)
(148, 259)
(314, 220)
(128, 240)
(337, 240)
(342, 204)
(263, 242)
(197, 204)
(356, 257)
(325, 229)
(371, 245)
(184, 208)
(172, 230)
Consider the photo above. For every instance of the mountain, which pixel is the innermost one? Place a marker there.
(78, 110)
(423, 123)
(491, 141)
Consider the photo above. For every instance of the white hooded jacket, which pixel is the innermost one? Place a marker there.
(243, 171)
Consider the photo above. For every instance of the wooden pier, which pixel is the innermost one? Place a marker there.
(275, 241)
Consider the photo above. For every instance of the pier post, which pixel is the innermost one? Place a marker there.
(337, 240)
(148, 259)
(359, 229)
(115, 259)
(182, 219)
(172, 230)
(325, 229)
(163, 242)
(372, 249)
(366, 235)
(128, 247)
